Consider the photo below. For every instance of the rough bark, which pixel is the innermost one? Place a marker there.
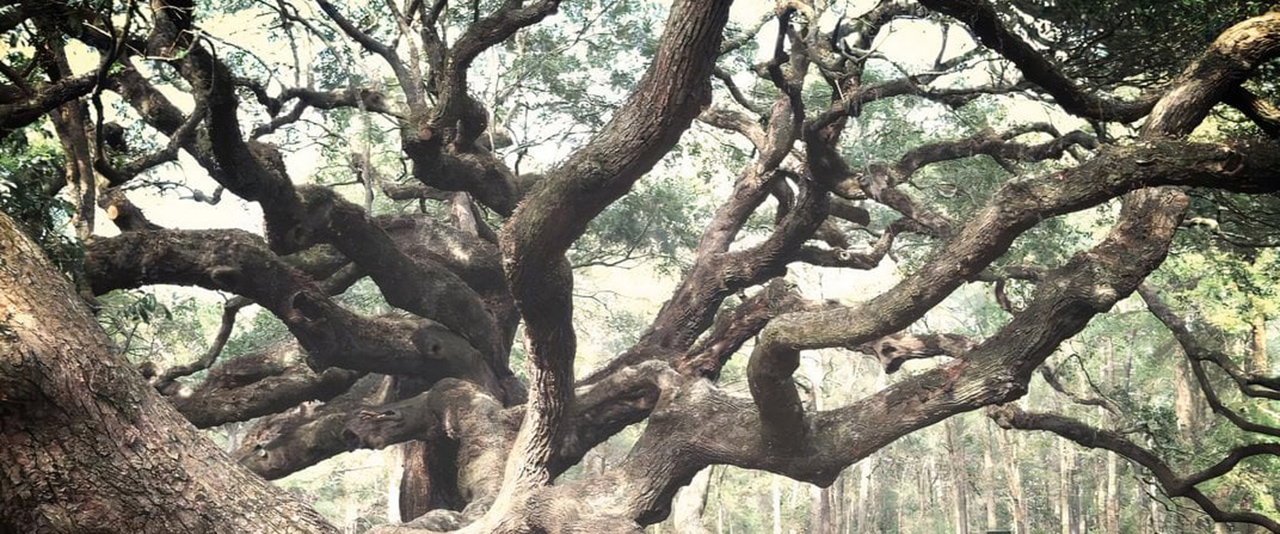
(65, 387)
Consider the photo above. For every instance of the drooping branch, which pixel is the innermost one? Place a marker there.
(229, 311)
(982, 19)
(1250, 384)
(184, 135)
(1009, 416)
(1261, 111)
(1051, 377)
(1197, 354)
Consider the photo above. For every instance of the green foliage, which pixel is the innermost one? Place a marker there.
(655, 222)
(349, 490)
(1228, 289)
(159, 326)
(30, 170)
(1128, 41)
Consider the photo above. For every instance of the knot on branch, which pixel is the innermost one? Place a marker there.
(1102, 297)
(428, 345)
(226, 277)
(304, 309)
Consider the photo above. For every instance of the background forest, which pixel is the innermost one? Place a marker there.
(549, 88)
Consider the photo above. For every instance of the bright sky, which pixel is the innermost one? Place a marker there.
(913, 44)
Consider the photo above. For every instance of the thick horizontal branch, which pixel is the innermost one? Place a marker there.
(1021, 204)
(988, 143)
(259, 384)
(239, 262)
(287, 442)
(15, 115)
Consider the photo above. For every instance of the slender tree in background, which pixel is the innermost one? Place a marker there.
(475, 260)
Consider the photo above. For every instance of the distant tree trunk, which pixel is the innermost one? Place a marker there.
(776, 494)
(1155, 519)
(1184, 401)
(1017, 501)
(1258, 329)
(840, 503)
(1111, 497)
(719, 516)
(866, 487)
(822, 520)
(686, 512)
(395, 457)
(1067, 487)
(63, 388)
(989, 478)
(959, 476)
(922, 494)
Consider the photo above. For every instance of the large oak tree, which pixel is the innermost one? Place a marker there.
(88, 442)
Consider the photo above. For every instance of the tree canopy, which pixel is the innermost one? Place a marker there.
(414, 214)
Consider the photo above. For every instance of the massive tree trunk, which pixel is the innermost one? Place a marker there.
(87, 445)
